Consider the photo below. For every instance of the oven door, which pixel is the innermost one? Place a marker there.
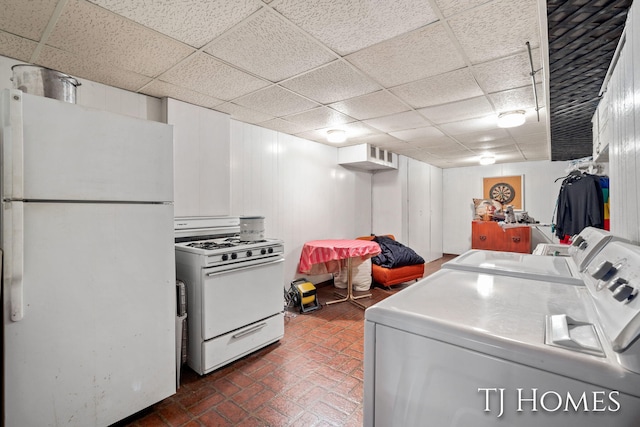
(243, 294)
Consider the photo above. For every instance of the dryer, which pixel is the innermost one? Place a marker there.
(550, 268)
(463, 348)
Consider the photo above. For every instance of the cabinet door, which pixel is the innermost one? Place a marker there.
(517, 240)
(484, 236)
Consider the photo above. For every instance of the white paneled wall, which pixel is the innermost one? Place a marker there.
(407, 203)
(390, 214)
(623, 94)
(462, 185)
(299, 188)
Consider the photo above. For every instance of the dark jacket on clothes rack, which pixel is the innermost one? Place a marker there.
(580, 204)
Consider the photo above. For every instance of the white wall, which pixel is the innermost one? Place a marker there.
(300, 189)
(462, 185)
(623, 92)
(407, 203)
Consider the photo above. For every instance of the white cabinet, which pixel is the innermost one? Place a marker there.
(367, 157)
(201, 148)
(602, 132)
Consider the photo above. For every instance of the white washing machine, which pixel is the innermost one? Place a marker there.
(464, 348)
(557, 269)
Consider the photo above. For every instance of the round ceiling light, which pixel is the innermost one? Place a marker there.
(487, 159)
(336, 135)
(511, 119)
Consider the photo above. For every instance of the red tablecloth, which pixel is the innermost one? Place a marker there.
(324, 256)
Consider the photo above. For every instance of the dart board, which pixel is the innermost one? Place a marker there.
(506, 190)
(502, 192)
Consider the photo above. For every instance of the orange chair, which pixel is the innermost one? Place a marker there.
(388, 277)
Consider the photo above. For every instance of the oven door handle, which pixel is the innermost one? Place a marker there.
(251, 330)
(235, 270)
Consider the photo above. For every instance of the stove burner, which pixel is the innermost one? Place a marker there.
(230, 242)
(211, 245)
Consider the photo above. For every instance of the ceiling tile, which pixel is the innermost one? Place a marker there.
(535, 154)
(276, 101)
(161, 89)
(483, 136)
(82, 67)
(448, 87)
(471, 125)
(436, 143)
(508, 73)
(193, 22)
(228, 83)
(26, 19)
(382, 140)
(283, 126)
(353, 131)
(454, 154)
(534, 138)
(87, 30)
(371, 105)
(460, 110)
(243, 114)
(499, 28)
(369, 21)
(514, 156)
(409, 57)
(490, 145)
(531, 125)
(515, 99)
(442, 148)
(399, 121)
(321, 117)
(16, 47)
(451, 7)
(269, 47)
(417, 134)
(330, 83)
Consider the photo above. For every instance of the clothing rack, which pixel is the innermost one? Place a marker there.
(586, 165)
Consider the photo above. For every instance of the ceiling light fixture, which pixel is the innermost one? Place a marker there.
(336, 135)
(511, 119)
(487, 159)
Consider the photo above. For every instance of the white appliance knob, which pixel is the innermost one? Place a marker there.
(603, 271)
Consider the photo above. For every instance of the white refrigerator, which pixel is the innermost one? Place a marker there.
(88, 293)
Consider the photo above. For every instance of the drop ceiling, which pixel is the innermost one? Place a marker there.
(425, 79)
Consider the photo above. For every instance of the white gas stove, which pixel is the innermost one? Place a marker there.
(231, 250)
(235, 290)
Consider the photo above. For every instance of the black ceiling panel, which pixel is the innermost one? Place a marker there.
(583, 35)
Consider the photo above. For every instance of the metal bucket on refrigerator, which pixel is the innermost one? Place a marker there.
(46, 82)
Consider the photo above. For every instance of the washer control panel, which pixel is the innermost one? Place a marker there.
(613, 280)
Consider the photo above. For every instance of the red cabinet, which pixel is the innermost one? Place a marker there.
(491, 236)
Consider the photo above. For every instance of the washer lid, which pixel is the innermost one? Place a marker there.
(535, 267)
(470, 305)
(503, 317)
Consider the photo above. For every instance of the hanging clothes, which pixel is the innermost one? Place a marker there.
(580, 204)
(604, 183)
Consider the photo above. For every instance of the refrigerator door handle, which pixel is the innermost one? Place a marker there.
(13, 147)
(14, 260)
